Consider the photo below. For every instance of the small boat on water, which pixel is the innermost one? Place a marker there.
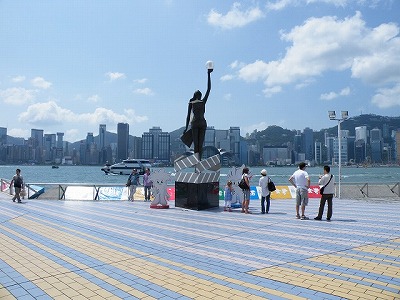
(54, 167)
(126, 166)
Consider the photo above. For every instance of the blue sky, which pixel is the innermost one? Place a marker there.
(67, 66)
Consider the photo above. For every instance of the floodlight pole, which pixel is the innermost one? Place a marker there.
(332, 116)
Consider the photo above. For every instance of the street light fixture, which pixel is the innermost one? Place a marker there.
(344, 116)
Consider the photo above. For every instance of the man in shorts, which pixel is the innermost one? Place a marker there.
(301, 181)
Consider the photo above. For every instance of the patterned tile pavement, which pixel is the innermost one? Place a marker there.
(120, 250)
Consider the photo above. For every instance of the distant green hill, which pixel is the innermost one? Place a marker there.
(277, 136)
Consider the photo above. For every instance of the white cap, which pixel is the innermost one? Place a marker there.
(264, 172)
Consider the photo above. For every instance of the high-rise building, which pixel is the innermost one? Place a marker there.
(156, 145)
(209, 139)
(318, 152)
(397, 145)
(329, 148)
(122, 141)
(222, 139)
(361, 133)
(103, 153)
(376, 142)
(36, 141)
(308, 143)
(50, 143)
(361, 144)
(3, 136)
(147, 145)
(37, 137)
(164, 147)
(344, 148)
(234, 140)
(102, 136)
(60, 137)
(89, 140)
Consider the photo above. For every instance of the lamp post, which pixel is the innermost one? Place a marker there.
(344, 116)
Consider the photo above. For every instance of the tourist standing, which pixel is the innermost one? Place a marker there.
(301, 181)
(133, 182)
(327, 183)
(265, 194)
(246, 191)
(228, 196)
(18, 182)
(147, 183)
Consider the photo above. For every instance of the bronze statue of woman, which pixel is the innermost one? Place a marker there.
(197, 108)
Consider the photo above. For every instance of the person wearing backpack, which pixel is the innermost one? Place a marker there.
(18, 183)
(265, 194)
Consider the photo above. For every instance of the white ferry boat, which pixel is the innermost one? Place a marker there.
(126, 166)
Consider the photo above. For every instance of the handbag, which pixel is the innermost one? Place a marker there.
(271, 185)
(321, 190)
(129, 182)
(243, 185)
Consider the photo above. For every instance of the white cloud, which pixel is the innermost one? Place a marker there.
(18, 79)
(18, 132)
(333, 95)
(327, 44)
(17, 96)
(269, 92)
(255, 71)
(41, 83)
(235, 17)
(250, 128)
(50, 113)
(282, 4)
(237, 64)
(46, 113)
(387, 97)
(115, 76)
(143, 80)
(72, 135)
(144, 91)
(381, 64)
(227, 77)
(94, 98)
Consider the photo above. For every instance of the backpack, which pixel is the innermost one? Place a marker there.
(18, 182)
(271, 185)
(243, 185)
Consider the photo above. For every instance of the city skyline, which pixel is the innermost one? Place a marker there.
(104, 127)
(286, 63)
(366, 143)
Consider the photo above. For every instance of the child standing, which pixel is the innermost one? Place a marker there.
(228, 196)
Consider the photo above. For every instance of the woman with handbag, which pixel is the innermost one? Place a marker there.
(246, 191)
(327, 190)
(132, 183)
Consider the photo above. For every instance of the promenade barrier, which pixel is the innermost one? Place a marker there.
(33, 191)
(78, 191)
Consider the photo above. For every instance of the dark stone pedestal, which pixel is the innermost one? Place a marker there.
(197, 196)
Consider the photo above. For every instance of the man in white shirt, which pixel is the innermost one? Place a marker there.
(327, 182)
(301, 181)
(265, 194)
